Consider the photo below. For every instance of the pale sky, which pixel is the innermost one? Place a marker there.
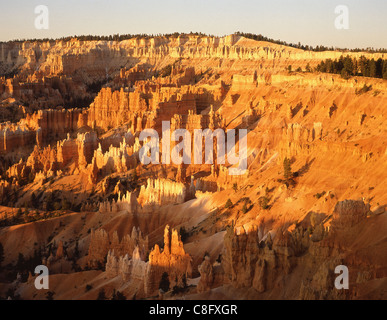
(311, 22)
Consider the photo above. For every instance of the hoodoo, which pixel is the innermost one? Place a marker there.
(188, 166)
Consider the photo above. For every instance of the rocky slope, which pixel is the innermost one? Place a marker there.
(76, 197)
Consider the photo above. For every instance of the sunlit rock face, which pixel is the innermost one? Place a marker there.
(172, 259)
(101, 244)
(74, 194)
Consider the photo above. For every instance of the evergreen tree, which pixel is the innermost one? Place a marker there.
(184, 281)
(76, 250)
(33, 200)
(101, 295)
(65, 204)
(1, 253)
(379, 68)
(264, 202)
(348, 66)
(164, 282)
(135, 177)
(50, 295)
(385, 69)
(120, 296)
(244, 208)
(372, 69)
(228, 204)
(287, 169)
(183, 234)
(19, 213)
(20, 264)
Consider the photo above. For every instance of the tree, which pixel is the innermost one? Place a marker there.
(384, 71)
(26, 209)
(1, 254)
(228, 204)
(372, 69)
(65, 204)
(76, 250)
(57, 206)
(287, 169)
(244, 208)
(120, 296)
(289, 68)
(20, 262)
(19, 213)
(348, 67)
(264, 202)
(101, 294)
(31, 177)
(166, 71)
(33, 200)
(184, 281)
(183, 234)
(135, 178)
(11, 294)
(235, 187)
(308, 68)
(50, 295)
(164, 282)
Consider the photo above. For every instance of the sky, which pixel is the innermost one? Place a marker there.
(311, 22)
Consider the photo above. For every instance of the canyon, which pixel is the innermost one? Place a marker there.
(75, 195)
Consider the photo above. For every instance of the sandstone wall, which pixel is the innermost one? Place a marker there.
(101, 243)
(162, 192)
(39, 128)
(173, 260)
(98, 58)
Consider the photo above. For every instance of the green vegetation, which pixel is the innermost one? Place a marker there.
(183, 234)
(264, 202)
(287, 169)
(347, 67)
(117, 295)
(178, 289)
(1, 254)
(319, 195)
(164, 282)
(114, 37)
(166, 71)
(228, 204)
(65, 204)
(101, 295)
(247, 205)
(259, 37)
(21, 263)
(50, 295)
(135, 178)
(365, 89)
(288, 174)
(244, 208)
